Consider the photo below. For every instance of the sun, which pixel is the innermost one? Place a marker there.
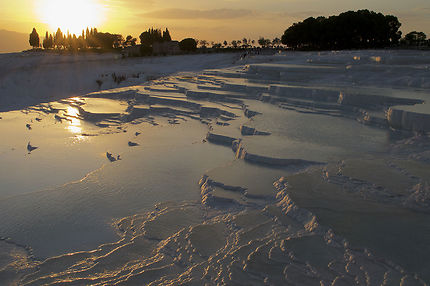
(70, 15)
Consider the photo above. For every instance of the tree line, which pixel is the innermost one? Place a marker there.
(362, 29)
(93, 39)
(89, 39)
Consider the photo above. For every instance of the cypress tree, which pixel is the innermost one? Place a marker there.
(166, 36)
(46, 41)
(58, 39)
(34, 39)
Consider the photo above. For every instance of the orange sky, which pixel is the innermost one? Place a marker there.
(203, 19)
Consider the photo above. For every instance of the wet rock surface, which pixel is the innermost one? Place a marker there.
(283, 171)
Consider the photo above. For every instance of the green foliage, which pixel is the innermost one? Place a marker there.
(34, 39)
(349, 30)
(188, 45)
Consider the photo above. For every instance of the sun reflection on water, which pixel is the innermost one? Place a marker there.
(73, 119)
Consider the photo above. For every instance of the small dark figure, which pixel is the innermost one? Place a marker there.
(110, 157)
(132, 144)
(137, 134)
(28, 126)
(31, 148)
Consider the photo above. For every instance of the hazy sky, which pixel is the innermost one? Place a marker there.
(203, 19)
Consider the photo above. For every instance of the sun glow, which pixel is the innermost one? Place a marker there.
(70, 15)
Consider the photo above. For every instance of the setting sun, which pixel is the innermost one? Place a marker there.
(72, 16)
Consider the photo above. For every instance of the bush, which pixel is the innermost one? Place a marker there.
(188, 45)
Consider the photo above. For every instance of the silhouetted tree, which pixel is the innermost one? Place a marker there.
(107, 41)
(203, 43)
(45, 41)
(188, 45)
(34, 39)
(360, 29)
(68, 41)
(151, 36)
(276, 42)
(90, 38)
(245, 42)
(166, 36)
(415, 38)
(73, 44)
(48, 42)
(81, 42)
(264, 42)
(59, 39)
(130, 41)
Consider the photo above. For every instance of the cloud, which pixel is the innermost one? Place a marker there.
(214, 14)
(130, 4)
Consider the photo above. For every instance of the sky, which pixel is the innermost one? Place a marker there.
(201, 19)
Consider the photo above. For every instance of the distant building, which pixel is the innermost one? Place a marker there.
(166, 48)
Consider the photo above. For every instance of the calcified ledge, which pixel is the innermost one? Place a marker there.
(241, 153)
(407, 120)
(236, 231)
(267, 245)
